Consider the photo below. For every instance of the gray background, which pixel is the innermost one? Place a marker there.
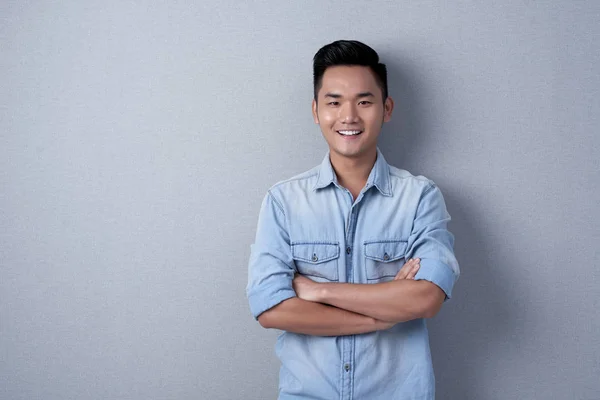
(137, 142)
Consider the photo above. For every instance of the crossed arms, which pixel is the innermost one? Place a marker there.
(334, 309)
(280, 299)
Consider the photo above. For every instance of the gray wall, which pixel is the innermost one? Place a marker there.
(137, 142)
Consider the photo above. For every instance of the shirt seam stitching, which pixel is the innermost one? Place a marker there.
(277, 203)
(293, 179)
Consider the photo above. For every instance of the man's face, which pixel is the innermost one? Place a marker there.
(350, 111)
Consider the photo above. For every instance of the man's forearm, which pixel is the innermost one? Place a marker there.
(396, 301)
(309, 318)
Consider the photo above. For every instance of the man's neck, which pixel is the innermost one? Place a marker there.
(352, 173)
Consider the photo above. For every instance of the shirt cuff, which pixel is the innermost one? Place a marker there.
(437, 272)
(265, 299)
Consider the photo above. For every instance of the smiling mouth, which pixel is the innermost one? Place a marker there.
(349, 133)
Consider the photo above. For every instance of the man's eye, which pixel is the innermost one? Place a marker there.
(333, 103)
(364, 103)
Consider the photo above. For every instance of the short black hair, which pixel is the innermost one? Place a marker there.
(348, 52)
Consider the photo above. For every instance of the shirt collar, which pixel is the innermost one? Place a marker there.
(379, 176)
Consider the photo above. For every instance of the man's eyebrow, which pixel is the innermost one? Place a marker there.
(358, 96)
(364, 94)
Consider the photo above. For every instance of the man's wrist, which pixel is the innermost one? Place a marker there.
(322, 292)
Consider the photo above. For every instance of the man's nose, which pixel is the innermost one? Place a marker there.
(348, 114)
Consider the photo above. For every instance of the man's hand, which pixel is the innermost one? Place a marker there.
(305, 288)
(409, 269)
(309, 290)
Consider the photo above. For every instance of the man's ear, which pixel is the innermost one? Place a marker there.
(314, 112)
(388, 107)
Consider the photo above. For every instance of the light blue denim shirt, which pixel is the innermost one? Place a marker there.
(310, 224)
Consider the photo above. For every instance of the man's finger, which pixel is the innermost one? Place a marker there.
(406, 268)
(403, 270)
(414, 270)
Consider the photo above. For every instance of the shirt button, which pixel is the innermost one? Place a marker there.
(315, 258)
(348, 250)
(347, 367)
(386, 256)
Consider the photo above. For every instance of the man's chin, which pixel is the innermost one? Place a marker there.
(352, 153)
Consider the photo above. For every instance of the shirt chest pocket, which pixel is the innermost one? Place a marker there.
(317, 260)
(383, 259)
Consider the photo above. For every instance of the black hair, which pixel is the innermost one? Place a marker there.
(348, 52)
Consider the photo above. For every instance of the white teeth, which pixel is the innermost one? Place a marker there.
(349, 133)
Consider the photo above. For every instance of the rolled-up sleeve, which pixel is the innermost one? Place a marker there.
(431, 241)
(271, 268)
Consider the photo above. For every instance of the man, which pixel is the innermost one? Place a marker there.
(351, 257)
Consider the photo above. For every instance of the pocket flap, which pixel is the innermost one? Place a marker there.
(386, 251)
(315, 253)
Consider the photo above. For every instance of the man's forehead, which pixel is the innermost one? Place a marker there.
(348, 80)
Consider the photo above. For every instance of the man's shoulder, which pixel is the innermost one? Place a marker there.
(403, 177)
(302, 181)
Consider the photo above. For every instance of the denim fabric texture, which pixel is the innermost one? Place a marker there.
(311, 225)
